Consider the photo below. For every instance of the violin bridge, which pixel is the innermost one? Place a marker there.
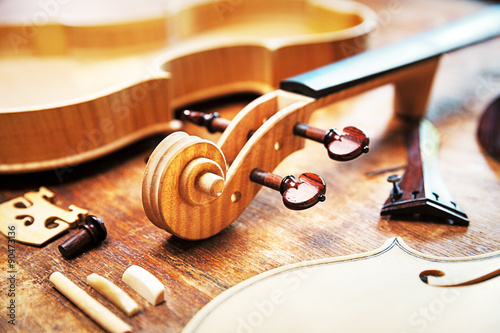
(34, 220)
(422, 192)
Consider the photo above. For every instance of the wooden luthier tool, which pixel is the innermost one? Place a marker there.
(406, 291)
(175, 194)
(421, 192)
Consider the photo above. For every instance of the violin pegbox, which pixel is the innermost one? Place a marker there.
(341, 146)
(190, 191)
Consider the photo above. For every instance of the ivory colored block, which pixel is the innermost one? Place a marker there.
(95, 310)
(113, 293)
(145, 284)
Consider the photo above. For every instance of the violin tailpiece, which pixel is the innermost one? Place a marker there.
(421, 191)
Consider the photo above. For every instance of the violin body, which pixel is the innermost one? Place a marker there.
(72, 93)
(391, 289)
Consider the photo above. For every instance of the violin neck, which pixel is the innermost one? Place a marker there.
(358, 69)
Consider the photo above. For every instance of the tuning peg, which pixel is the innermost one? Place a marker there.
(211, 121)
(299, 194)
(344, 146)
(340, 146)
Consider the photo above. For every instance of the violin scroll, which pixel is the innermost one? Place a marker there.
(185, 169)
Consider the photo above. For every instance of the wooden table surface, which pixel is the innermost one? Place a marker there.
(267, 235)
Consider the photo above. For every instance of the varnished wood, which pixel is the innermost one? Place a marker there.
(90, 234)
(488, 131)
(271, 119)
(105, 99)
(422, 194)
(345, 146)
(298, 194)
(267, 235)
(211, 121)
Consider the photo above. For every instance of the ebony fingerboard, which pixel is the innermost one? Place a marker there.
(477, 27)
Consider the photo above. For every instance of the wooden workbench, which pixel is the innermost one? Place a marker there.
(267, 235)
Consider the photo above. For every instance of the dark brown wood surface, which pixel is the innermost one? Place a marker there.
(267, 235)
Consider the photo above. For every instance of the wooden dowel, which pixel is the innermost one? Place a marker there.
(211, 184)
(266, 179)
(310, 132)
(95, 310)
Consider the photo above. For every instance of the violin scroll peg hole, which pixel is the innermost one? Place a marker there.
(235, 197)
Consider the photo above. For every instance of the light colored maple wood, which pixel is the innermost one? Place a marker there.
(274, 139)
(145, 284)
(271, 119)
(381, 290)
(113, 293)
(35, 220)
(95, 310)
(93, 97)
(267, 235)
(210, 183)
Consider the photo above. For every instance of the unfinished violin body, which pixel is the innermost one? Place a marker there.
(391, 289)
(73, 92)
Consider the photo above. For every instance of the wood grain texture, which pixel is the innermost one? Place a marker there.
(422, 190)
(267, 235)
(488, 130)
(404, 288)
(105, 98)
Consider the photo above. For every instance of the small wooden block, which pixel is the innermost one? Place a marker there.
(36, 219)
(95, 310)
(113, 293)
(145, 284)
